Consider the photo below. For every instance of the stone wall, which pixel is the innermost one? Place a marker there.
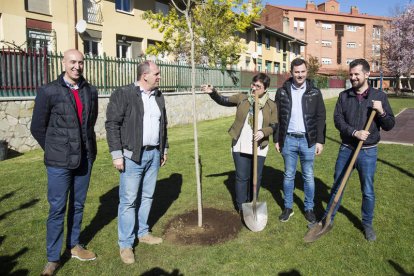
(16, 115)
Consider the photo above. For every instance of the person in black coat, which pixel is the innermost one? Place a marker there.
(301, 134)
(63, 121)
(350, 116)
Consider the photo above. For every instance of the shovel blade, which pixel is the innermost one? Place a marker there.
(255, 220)
(317, 231)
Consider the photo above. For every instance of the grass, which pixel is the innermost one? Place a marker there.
(279, 249)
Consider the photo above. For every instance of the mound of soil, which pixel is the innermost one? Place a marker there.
(218, 226)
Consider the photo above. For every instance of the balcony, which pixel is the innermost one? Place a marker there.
(92, 12)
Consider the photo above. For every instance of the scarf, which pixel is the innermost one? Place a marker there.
(261, 103)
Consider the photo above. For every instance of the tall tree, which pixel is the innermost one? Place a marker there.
(399, 44)
(215, 23)
(203, 32)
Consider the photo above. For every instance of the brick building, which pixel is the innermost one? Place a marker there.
(335, 38)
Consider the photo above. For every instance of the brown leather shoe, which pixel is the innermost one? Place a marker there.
(150, 239)
(50, 269)
(127, 255)
(82, 254)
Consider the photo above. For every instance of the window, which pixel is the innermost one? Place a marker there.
(123, 47)
(375, 66)
(326, 26)
(376, 32)
(302, 49)
(259, 43)
(91, 48)
(267, 41)
(301, 26)
(123, 5)
(123, 50)
(128, 46)
(38, 6)
(350, 45)
(351, 28)
(268, 66)
(349, 60)
(295, 49)
(277, 45)
(161, 8)
(298, 25)
(326, 43)
(259, 64)
(92, 12)
(39, 34)
(284, 68)
(276, 68)
(326, 60)
(91, 42)
(376, 49)
(38, 39)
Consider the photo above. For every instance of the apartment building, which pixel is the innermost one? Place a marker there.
(114, 27)
(269, 50)
(334, 37)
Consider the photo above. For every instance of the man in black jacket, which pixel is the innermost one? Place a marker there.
(63, 123)
(301, 133)
(136, 128)
(351, 114)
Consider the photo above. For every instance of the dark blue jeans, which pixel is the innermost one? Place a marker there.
(61, 183)
(244, 176)
(293, 149)
(365, 164)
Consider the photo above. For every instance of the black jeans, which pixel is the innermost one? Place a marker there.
(244, 176)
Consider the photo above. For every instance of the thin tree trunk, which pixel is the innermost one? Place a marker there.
(196, 157)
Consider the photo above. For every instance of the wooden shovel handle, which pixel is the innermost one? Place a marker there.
(256, 124)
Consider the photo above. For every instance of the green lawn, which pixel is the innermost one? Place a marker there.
(279, 249)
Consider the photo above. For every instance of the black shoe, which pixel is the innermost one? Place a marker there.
(310, 216)
(286, 214)
(369, 233)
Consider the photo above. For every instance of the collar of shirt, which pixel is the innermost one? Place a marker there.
(152, 92)
(303, 87)
(71, 86)
(363, 95)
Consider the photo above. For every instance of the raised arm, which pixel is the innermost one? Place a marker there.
(220, 99)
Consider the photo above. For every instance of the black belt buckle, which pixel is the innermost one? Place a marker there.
(147, 148)
(297, 135)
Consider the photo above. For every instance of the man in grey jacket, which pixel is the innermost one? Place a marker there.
(136, 129)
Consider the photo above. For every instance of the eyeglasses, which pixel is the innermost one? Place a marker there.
(258, 86)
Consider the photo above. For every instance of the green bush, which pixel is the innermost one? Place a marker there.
(321, 81)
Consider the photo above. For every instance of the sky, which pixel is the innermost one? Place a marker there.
(371, 7)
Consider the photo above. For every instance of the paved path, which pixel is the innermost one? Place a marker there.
(403, 131)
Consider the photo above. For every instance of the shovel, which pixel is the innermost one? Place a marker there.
(324, 226)
(255, 213)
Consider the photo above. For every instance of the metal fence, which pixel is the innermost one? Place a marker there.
(22, 72)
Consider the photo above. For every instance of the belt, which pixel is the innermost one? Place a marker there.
(150, 147)
(296, 135)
